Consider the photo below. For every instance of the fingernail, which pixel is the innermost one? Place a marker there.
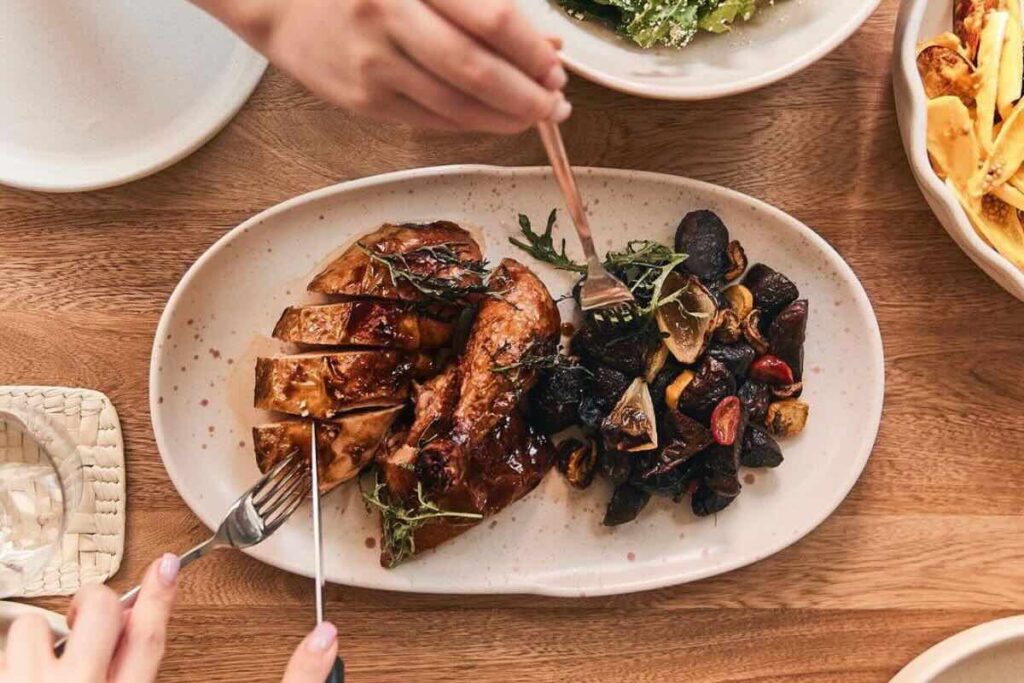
(563, 110)
(322, 637)
(168, 569)
(556, 78)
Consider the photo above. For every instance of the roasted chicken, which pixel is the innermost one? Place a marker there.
(469, 448)
(345, 445)
(373, 266)
(382, 324)
(321, 385)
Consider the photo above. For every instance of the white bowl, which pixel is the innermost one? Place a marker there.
(552, 541)
(921, 20)
(990, 653)
(778, 42)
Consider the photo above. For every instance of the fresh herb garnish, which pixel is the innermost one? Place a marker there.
(399, 524)
(409, 267)
(542, 246)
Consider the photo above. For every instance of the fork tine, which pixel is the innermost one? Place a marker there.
(271, 525)
(290, 475)
(295, 490)
(271, 475)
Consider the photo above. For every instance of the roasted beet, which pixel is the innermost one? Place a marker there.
(759, 448)
(704, 238)
(554, 402)
(673, 483)
(626, 504)
(706, 501)
(606, 386)
(710, 385)
(625, 350)
(756, 397)
(615, 466)
(772, 290)
(786, 336)
(665, 377)
(737, 357)
(687, 434)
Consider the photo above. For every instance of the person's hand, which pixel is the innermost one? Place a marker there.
(447, 64)
(314, 657)
(107, 642)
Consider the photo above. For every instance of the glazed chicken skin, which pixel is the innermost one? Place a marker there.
(356, 273)
(469, 446)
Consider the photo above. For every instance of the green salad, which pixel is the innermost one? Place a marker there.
(672, 23)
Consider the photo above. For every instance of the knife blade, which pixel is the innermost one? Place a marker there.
(337, 674)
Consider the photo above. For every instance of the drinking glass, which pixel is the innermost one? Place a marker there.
(40, 487)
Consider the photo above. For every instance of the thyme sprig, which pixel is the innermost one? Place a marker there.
(401, 267)
(399, 524)
(541, 246)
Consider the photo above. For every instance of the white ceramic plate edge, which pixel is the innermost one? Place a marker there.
(943, 655)
(911, 110)
(247, 72)
(859, 452)
(709, 92)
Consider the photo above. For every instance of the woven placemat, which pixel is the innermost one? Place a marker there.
(93, 542)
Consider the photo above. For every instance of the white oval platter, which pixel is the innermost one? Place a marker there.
(551, 542)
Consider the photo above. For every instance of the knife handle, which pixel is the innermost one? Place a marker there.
(337, 674)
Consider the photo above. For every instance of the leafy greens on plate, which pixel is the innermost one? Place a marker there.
(671, 23)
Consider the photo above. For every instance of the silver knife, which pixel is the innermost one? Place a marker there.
(337, 674)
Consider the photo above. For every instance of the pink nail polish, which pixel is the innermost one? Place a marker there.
(167, 571)
(556, 78)
(322, 637)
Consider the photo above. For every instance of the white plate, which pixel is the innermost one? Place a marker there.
(921, 20)
(989, 653)
(552, 542)
(778, 42)
(98, 93)
(9, 611)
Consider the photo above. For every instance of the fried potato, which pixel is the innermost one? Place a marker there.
(996, 222)
(944, 71)
(952, 142)
(968, 19)
(1011, 66)
(1005, 159)
(990, 51)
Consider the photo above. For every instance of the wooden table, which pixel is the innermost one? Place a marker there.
(930, 541)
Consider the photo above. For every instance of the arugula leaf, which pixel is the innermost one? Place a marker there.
(542, 246)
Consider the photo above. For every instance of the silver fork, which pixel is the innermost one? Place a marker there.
(251, 519)
(600, 289)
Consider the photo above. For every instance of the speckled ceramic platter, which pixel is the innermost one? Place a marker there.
(552, 541)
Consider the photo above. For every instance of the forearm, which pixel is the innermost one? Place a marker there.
(250, 19)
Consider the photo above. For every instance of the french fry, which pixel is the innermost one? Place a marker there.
(968, 19)
(990, 51)
(1011, 65)
(944, 71)
(1011, 195)
(1006, 156)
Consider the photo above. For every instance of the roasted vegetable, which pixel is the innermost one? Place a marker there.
(755, 397)
(626, 503)
(772, 290)
(740, 300)
(772, 371)
(631, 426)
(661, 382)
(685, 437)
(704, 238)
(786, 336)
(726, 421)
(968, 19)
(787, 418)
(710, 385)
(625, 349)
(555, 401)
(728, 326)
(737, 357)
(607, 387)
(945, 71)
(614, 466)
(687, 321)
(737, 261)
(707, 502)
(759, 448)
(751, 327)
(577, 460)
(675, 389)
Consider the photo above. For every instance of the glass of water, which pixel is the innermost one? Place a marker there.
(40, 487)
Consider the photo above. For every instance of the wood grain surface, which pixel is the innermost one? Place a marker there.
(930, 541)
